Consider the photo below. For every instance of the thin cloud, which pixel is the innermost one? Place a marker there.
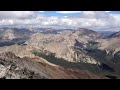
(68, 12)
(16, 14)
(41, 11)
(108, 11)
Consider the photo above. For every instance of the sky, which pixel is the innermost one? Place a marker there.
(97, 20)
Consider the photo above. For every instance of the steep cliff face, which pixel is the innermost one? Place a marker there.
(13, 67)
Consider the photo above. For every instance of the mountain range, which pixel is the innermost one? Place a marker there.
(58, 54)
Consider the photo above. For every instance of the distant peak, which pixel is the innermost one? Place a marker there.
(114, 35)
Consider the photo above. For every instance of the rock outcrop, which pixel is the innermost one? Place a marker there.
(13, 67)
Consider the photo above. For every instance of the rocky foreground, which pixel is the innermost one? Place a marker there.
(13, 67)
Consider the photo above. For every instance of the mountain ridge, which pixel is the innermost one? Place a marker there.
(26, 68)
(81, 47)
